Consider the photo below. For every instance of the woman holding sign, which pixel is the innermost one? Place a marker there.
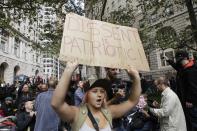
(94, 114)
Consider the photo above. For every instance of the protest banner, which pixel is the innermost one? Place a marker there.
(97, 43)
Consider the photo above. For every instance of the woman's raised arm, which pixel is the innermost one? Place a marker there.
(120, 109)
(65, 111)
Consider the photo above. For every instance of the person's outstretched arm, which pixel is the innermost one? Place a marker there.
(172, 63)
(66, 112)
(120, 109)
(167, 107)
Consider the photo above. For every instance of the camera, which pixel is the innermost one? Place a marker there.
(116, 87)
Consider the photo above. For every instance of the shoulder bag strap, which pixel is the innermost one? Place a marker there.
(94, 123)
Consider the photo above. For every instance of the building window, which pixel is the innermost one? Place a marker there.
(33, 58)
(2, 45)
(36, 58)
(47, 13)
(169, 54)
(49, 65)
(16, 50)
(25, 55)
(3, 32)
(153, 18)
(162, 60)
(169, 11)
(16, 47)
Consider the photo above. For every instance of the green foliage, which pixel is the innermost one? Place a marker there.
(166, 37)
(4, 22)
(187, 40)
(147, 41)
(21, 10)
(54, 31)
(73, 6)
(53, 37)
(186, 34)
(154, 14)
(95, 8)
(123, 16)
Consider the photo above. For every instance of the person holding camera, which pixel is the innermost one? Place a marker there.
(186, 81)
(170, 111)
(116, 94)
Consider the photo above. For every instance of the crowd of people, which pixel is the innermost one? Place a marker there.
(104, 104)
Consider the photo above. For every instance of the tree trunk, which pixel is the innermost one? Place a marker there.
(192, 18)
(103, 9)
(97, 69)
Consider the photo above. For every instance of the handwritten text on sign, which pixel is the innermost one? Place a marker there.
(99, 43)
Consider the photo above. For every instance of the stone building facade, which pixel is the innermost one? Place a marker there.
(17, 57)
(174, 16)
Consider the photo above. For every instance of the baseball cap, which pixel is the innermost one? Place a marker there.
(180, 55)
(8, 99)
(103, 83)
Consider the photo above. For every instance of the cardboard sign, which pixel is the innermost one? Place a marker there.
(97, 43)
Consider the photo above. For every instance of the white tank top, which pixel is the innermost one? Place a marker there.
(85, 127)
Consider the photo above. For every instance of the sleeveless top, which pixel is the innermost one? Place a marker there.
(83, 114)
(85, 127)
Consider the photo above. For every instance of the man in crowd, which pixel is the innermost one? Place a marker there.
(144, 83)
(44, 87)
(46, 118)
(26, 117)
(115, 93)
(187, 86)
(170, 112)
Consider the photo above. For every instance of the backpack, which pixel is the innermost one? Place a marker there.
(135, 120)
